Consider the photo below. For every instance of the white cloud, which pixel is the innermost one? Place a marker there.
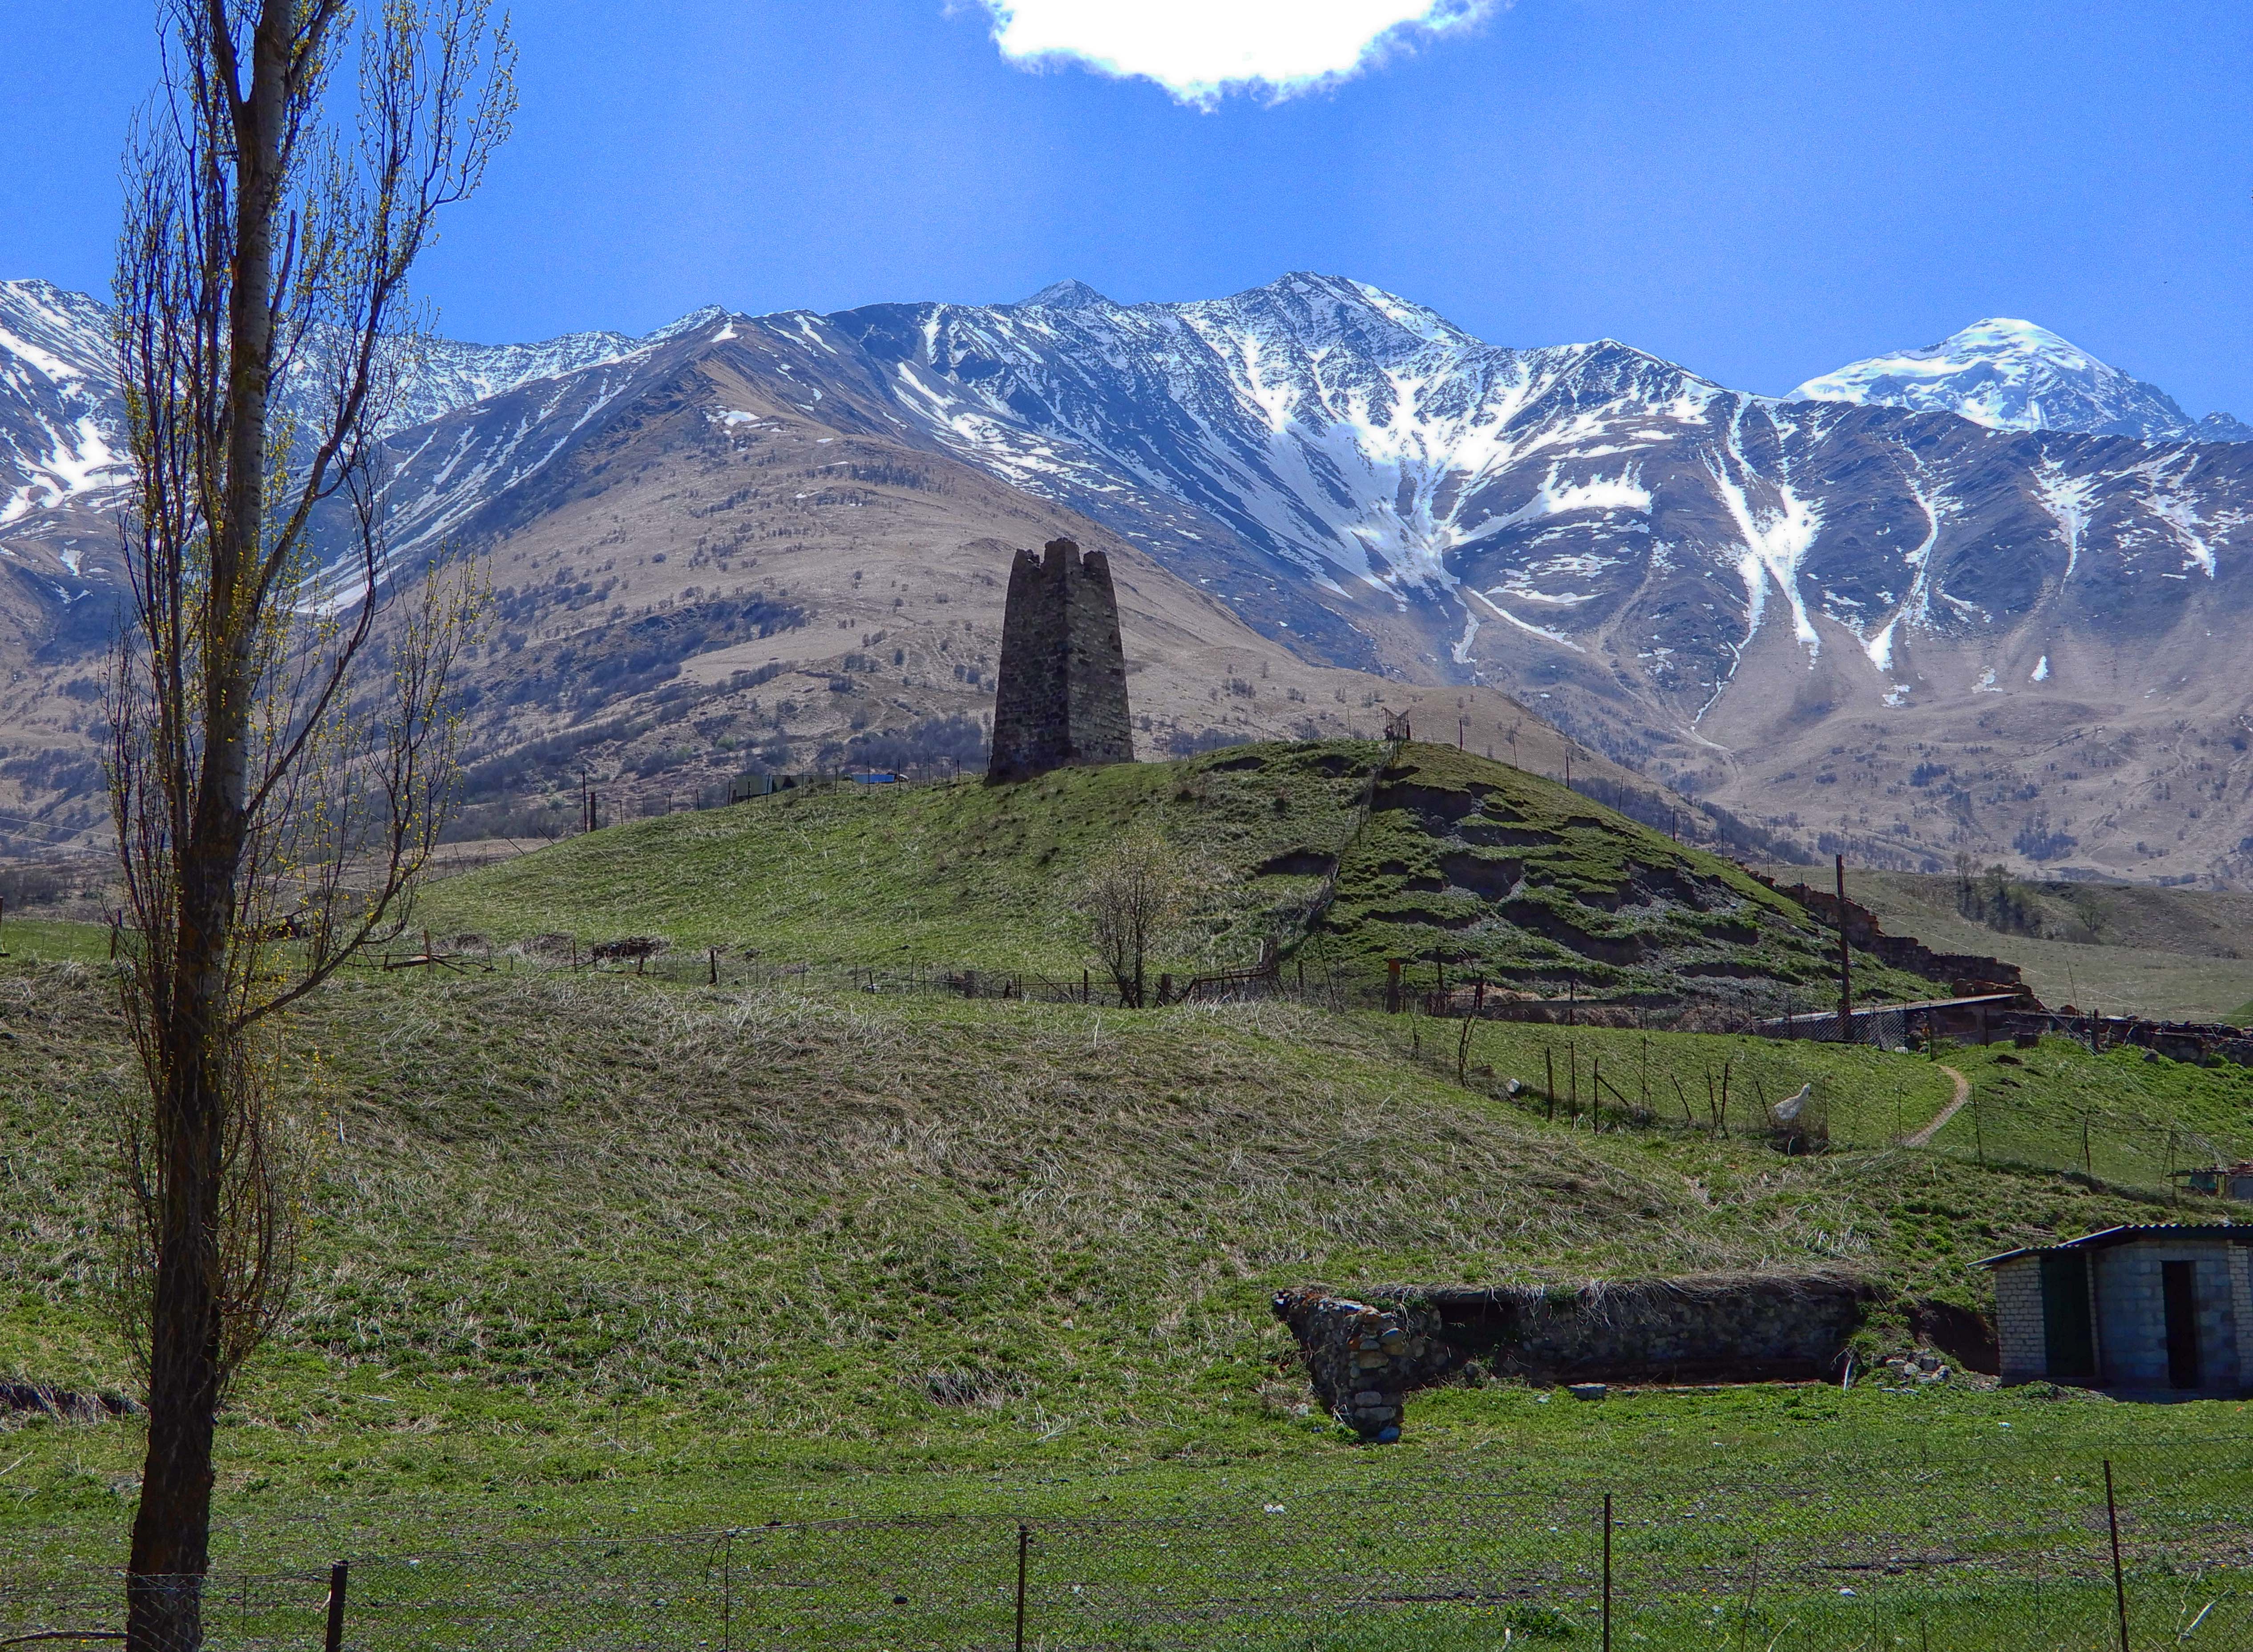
(1200, 49)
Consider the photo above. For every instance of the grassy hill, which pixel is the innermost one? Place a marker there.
(593, 1255)
(1444, 859)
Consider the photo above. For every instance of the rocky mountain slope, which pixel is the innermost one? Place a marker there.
(721, 549)
(1892, 630)
(2021, 639)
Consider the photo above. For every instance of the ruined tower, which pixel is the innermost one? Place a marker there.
(1063, 695)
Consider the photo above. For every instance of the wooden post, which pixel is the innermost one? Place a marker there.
(1393, 987)
(1845, 965)
(1024, 1544)
(334, 1640)
(1608, 1571)
(715, 961)
(2119, 1580)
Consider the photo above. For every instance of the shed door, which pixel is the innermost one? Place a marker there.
(2069, 1348)
(2179, 1283)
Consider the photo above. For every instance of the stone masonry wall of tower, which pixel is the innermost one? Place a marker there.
(1062, 700)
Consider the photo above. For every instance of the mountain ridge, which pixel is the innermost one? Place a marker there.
(1724, 592)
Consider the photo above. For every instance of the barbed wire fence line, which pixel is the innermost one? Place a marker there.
(1965, 1555)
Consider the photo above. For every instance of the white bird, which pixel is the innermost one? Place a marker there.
(1788, 1109)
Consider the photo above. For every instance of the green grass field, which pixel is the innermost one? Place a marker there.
(600, 1267)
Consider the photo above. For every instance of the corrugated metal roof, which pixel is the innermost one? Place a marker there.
(2228, 1232)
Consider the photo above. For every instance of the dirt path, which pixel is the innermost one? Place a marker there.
(1923, 1137)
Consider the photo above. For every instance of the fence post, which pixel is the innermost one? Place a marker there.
(1024, 1544)
(2119, 1582)
(335, 1639)
(1608, 1571)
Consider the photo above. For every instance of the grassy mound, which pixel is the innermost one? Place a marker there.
(1450, 861)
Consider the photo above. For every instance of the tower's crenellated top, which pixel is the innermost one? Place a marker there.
(1063, 697)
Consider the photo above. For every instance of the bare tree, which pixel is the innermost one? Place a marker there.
(281, 749)
(1133, 899)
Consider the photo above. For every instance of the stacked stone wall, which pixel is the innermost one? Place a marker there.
(1364, 1357)
(1967, 972)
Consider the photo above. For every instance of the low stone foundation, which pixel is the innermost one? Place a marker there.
(1365, 1357)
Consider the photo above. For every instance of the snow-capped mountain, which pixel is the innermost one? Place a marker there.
(1348, 433)
(60, 426)
(2028, 640)
(2014, 375)
(61, 418)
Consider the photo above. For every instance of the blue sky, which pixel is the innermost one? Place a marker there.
(1762, 191)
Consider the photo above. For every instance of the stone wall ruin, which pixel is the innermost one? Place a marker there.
(1364, 1357)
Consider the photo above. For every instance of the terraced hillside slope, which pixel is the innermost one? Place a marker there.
(1337, 854)
(2172, 954)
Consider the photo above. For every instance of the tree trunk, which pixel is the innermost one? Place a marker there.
(171, 1529)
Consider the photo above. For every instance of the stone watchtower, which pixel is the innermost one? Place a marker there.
(1063, 695)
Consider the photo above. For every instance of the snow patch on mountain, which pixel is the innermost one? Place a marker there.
(1777, 539)
(2070, 501)
(1916, 607)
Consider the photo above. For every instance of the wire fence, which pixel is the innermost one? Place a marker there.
(2121, 1138)
(1316, 983)
(2015, 1553)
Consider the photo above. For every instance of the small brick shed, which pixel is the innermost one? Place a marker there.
(2161, 1311)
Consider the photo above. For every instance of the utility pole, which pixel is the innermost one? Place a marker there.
(1845, 965)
